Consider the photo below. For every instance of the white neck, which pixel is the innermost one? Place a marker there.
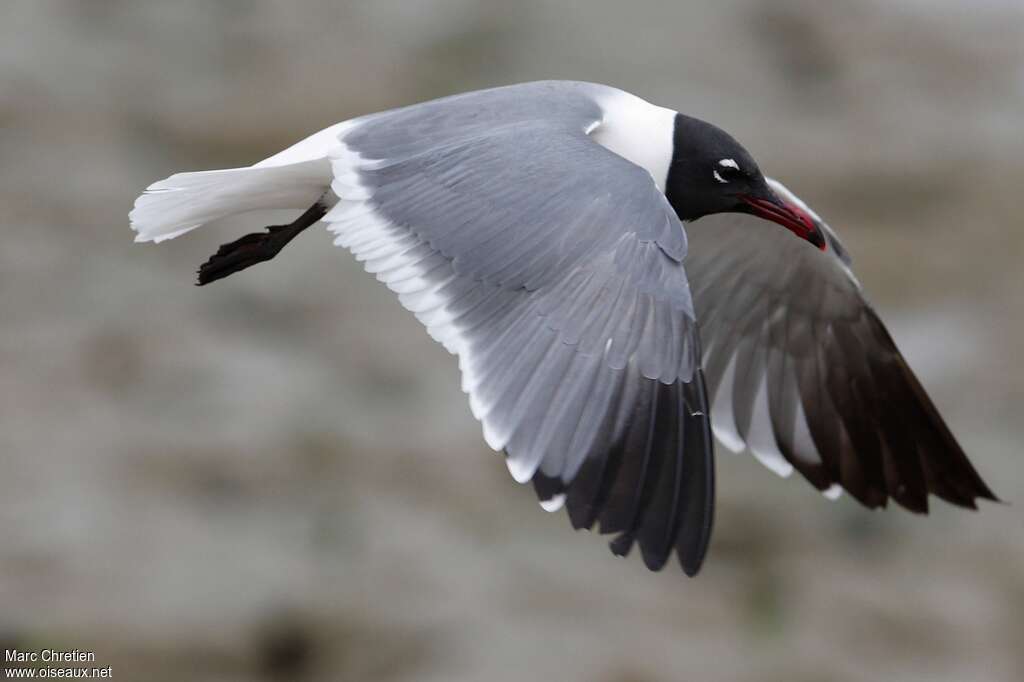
(637, 131)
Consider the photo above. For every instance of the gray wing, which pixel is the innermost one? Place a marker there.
(802, 371)
(553, 268)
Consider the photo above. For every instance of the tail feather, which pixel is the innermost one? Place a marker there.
(185, 201)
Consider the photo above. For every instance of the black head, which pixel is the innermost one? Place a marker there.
(712, 173)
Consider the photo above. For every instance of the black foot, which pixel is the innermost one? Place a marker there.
(255, 248)
(240, 254)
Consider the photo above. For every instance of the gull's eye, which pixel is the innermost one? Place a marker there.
(726, 171)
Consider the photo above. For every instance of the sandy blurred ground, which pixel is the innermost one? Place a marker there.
(277, 477)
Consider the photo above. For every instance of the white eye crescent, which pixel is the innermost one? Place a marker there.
(729, 163)
(720, 178)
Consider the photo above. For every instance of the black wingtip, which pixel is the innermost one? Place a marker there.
(691, 568)
(621, 545)
(655, 495)
(980, 492)
(699, 512)
(983, 492)
(997, 500)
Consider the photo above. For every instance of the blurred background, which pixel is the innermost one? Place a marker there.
(277, 477)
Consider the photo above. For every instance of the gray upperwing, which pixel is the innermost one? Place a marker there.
(551, 266)
(426, 127)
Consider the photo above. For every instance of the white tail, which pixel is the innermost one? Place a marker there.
(185, 201)
(293, 178)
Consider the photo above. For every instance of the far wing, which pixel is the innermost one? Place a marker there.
(803, 373)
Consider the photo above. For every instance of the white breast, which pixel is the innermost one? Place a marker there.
(638, 131)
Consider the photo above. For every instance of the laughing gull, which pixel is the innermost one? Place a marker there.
(537, 231)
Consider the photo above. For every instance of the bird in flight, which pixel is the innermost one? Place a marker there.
(619, 282)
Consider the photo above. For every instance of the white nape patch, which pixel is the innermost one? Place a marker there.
(720, 178)
(637, 131)
(722, 421)
(553, 504)
(761, 439)
(729, 163)
(833, 492)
